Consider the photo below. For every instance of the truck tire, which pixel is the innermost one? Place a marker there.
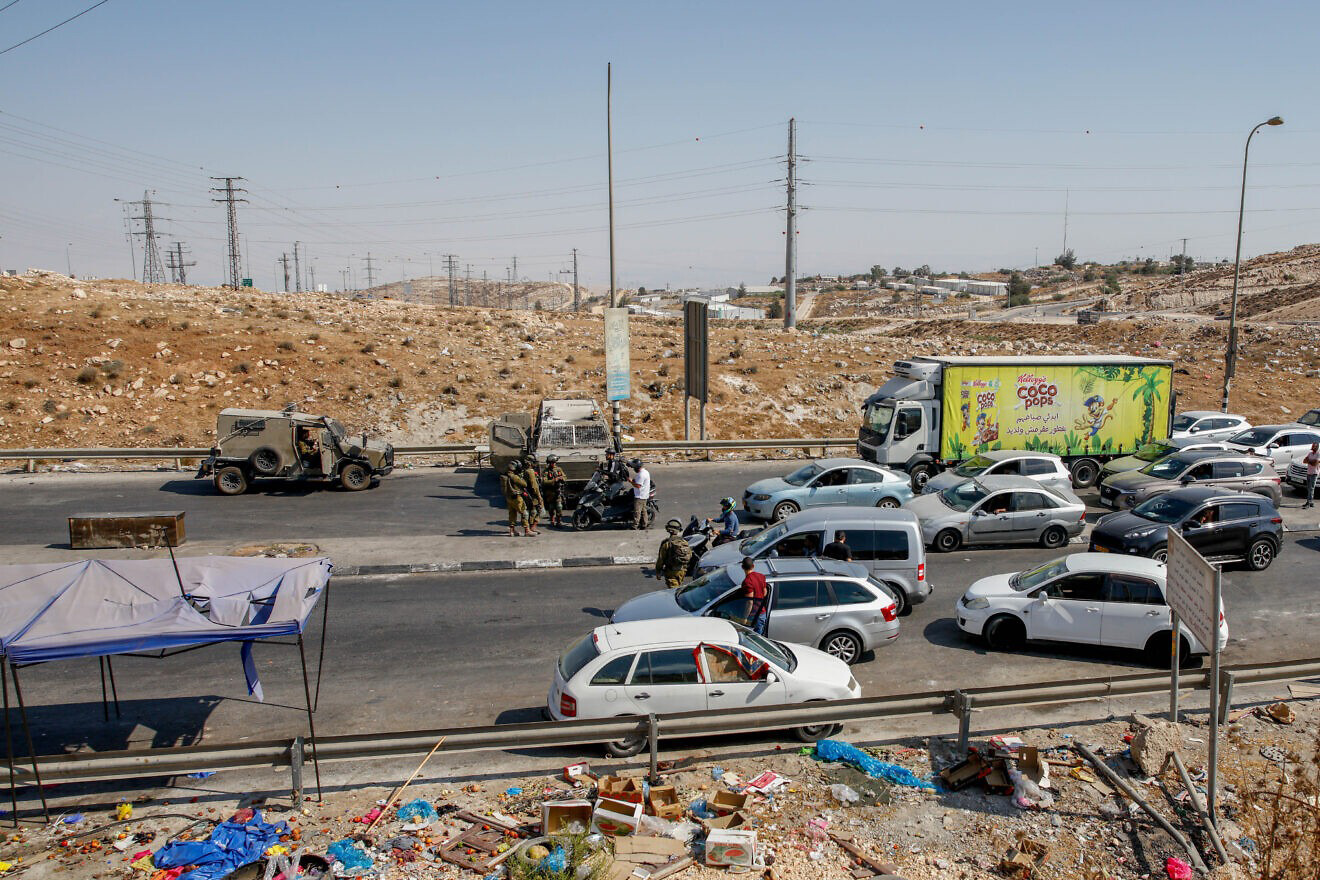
(1085, 471)
(265, 462)
(231, 480)
(920, 474)
(354, 477)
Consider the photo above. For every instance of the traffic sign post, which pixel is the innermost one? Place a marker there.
(1194, 591)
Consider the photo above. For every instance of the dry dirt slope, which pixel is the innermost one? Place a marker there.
(118, 363)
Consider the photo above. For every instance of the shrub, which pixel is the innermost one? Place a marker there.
(112, 369)
(286, 345)
(369, 348)
(87, 375)
(396, 382)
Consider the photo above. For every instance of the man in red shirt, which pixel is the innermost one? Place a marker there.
(757, 592)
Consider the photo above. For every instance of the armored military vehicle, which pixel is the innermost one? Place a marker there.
(286, 444)
(571, 426)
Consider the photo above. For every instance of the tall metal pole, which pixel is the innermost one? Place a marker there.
(1230, 358)
(609, 164)
(790, 232)
(577, 295)
(1212, 783)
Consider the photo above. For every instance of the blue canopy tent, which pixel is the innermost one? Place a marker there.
(152, 608)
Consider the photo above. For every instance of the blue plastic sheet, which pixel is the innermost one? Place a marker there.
(347, 852)
(230, 846)
(833, 750)
(555, 863)
(418, 809)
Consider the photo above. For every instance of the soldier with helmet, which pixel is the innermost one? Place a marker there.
(553, 481)
(533, 498)
(675, 555)
(514, 486)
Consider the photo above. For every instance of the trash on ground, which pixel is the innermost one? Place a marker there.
(833, 750)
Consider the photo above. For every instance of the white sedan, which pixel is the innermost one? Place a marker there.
(685, 665)
(1085, 598)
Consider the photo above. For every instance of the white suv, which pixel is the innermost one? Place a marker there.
(1206, 425)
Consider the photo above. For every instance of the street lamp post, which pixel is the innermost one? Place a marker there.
(68, 260)
(1230, 358)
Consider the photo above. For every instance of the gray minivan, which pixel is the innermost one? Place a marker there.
(887, 542)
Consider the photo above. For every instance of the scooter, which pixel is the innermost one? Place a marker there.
(598, 504)
(701, 536)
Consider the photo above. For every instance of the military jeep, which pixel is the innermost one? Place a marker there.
(254, 444)
(570, 425)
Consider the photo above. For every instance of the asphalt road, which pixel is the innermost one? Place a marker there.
(462, 649)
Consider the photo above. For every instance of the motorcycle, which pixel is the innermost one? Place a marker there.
(613, 504)
(701, 536)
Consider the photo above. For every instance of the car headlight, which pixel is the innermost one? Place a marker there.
(976, 604)
(760, 497)
(1140, 533)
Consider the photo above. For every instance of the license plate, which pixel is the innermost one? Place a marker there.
(1099, 549)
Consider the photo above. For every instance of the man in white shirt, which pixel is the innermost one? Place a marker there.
(1312, 462)
(641, 486)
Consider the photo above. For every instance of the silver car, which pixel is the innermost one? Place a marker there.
(1206, 425)
(826, 604)
(1043, 467)
(1282, 443)
(1154, 451)
(1222, 470)
(998, 510)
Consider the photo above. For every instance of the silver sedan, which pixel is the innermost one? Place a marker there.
(998, 510)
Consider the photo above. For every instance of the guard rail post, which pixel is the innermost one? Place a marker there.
(961, 706)
(296, 770)
(653, 725)
(1225, 695)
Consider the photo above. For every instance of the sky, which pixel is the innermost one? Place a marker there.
(964, 136)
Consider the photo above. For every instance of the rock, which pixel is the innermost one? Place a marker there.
(1153, 742)
(1285, 410)
(78, 293)
(18, 342)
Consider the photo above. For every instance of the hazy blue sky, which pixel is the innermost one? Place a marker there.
(948, 134)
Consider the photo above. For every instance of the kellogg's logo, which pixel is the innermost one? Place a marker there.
(1036, 391)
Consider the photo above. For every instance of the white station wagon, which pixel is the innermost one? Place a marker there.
(685, 665)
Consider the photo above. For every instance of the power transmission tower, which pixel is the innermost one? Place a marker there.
(297, 269)
(371, 272)
(153, 272)
(790, 246)
(231, 201)
(311, 277)
(450, 266)
(177, 265)
(284, 261)
(515, 270)
(467, 286)
(577, 296)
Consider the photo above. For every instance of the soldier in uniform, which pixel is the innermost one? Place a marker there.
(553, 480)
(514, 487)
(675, 555)
(534, 502)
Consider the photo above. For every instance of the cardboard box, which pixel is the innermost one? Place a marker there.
(620, 789)
(726, 848)
(615, 818)
(963, 774)
(663, 802)
(1021, 861)
(725, 802)
(573, 772)
(726, 823)
(1033, 766)
(556, 816)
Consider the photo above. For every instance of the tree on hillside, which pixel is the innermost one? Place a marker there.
(1112, 285)
(1067, 259)
(877, 272)
(742, 289)
(923, 269)
(641, 291)
(776, 309)
(1019, 290)
(1181, 263)
(899, 273)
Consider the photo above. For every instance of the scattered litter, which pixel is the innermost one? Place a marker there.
(833, 750)
(716, 772)
(767, 782)
(417, 809)
(73, 819)
(1281, 713)
(844, 794)
(350, 859)
(1274, 753)
(731, 848)
(231, 845)
(1177, 869)
(1022, 860)
(201, 774)
(700, 809)
(123, 812)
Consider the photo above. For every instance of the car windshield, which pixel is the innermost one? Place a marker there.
(1154, 451)
(973, 466)
(1165, 468)
(1164, 509)
(702, 591)
(771, 650)
(963, 496)
(803, 474)
(578, 654)
(753, 546)
(1028, 580)
(1311, 418)
(877, 417)
(1252, 437)
(1182, 423)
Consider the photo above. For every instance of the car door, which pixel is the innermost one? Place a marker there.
(990, 520)
(665, 680)
(800, 610)
(864, 488)
(1237, 520)
(1202, 530)
(797, 545)
(736, 677)
(1132, 612)
(1227, 474)
(1199, 473)
(1029, 513)
(1068, 609)
(1045, 471)
(1293, 447)
(828, 488)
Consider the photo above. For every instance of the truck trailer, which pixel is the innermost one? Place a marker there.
(938, 411)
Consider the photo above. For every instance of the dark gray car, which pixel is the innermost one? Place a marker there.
(1221, 470)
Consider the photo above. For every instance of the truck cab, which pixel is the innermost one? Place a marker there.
(900, 421)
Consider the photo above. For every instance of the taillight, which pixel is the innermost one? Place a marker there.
(567, 706)
(1081, 517)
(921, 572)
(1276, 520)
(890, 612)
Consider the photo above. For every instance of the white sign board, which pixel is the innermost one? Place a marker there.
(1190, 590)
(618, 372)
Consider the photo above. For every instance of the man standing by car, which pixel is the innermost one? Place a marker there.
(641, 486)
(838, 548)
(675, 555)
(1312, 462)
(553, 480)
(757, 592)
(514, 488)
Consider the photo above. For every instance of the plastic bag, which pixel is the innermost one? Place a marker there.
(1027, 794)
(1177, 869)
(347, 853)
(833, 750)
(844, 794)
(418, 809)
(554, 863)
(654, 826)
(700, 809)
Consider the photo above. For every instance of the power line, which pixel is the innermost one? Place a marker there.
(49, 29)
(7, 5)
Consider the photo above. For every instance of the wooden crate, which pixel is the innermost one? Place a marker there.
(104, 531)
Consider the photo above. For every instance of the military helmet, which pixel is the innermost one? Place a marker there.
(551, 458)
(515, 466)
(674, 526)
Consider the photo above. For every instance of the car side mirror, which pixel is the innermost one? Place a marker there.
(978, 512)
(1188, 479)
(1272, 447)
(772, 678)
(1193, 430)
(1191, 524)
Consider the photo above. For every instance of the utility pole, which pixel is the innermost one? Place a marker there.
(153, 272)
(1182, 264)
(577, 296)
(177, 266)
(450, 266)
(284, 261)
(297, 268)
(467, 286)
(128, 234)
(515, 269)
(616, 427)
(1066, 194)
(343, 283)
(231, 201)
(371, 272)
(790, 232)
(311, 274)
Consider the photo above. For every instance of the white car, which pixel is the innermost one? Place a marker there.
(1284, 444)
(1206, 425)
(685, 665)
(1045, 468)
(1085, 599)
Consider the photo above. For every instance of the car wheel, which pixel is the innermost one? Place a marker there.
(1159, 652)
(1005, 633)
(1085, 471)
(627, 747)
(1160, 553)
(947, 541)
(1053, 538)
(784, 509)
(583, 519)
(231, 481)
(265, 462)
(354, 477)
(920, 474)
(844, 645)
(887, 503)
(813, 732)
(1260, 554)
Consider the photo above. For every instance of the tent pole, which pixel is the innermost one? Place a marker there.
(311, 725)
(105, 697)
(320, 660)
(9, 749)
(114, 691)
(178, 577)
(27, 731)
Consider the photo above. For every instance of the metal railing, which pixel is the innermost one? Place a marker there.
(79, 767)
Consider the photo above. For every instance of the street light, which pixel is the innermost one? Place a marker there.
(1230, 359)
(68, 260)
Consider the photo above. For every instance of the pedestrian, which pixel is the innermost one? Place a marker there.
(514, 488)
(675, 555)
(553, 482)
(838, 548)
(641, 486)
(534, 503)
(1312, 462)
(756, 591)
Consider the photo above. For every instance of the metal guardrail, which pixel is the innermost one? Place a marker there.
(439, 449)
(357, 747)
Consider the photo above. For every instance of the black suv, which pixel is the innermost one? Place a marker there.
(1222, 525)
